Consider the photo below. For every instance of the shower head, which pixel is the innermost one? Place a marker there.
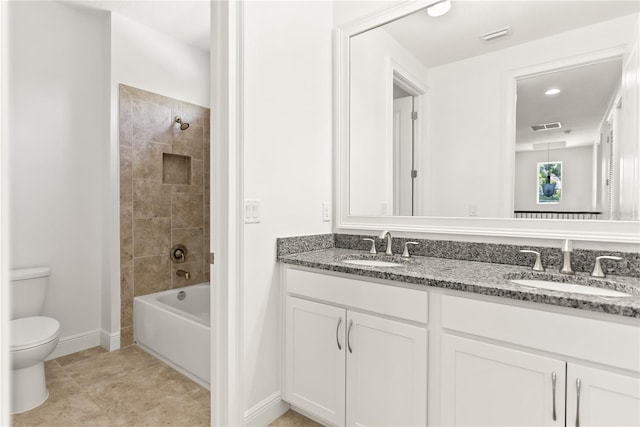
(183, 125)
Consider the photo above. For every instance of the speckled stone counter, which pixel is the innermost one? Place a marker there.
(479, 277)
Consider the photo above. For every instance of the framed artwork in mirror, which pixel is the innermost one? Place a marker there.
(549, 182)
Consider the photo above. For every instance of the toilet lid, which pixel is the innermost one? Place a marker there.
(31, 332)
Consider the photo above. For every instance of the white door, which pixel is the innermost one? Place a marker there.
(402, 156)
(386, 372)
(315, 359)
(600, 398)
(489, 385)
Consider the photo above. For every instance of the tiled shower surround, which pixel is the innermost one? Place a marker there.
(164, 196)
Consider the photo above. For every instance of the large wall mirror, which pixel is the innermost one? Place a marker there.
(494, 110)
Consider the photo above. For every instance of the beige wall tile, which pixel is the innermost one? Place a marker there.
(152, 122)
(126, 297)
(190, 113)
(151, 199)
(151, 274)
(191, 238)
(126, 176)
(151, 236)
(188, 142)
(126, 336)
(147, 159)
(177, 170)
(186, 210)
(126, 237)
(125, 125)
(143, 95)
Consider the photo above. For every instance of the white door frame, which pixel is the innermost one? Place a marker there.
(227, 403)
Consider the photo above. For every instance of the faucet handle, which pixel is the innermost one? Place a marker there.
(537, 266)
(405, 253)
(597, 268)
(373, 246)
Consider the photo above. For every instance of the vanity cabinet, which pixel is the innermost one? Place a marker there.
(347, 367)
(485, 383)
(489, 385)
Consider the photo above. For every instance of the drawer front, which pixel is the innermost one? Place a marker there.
(595, 340)
(402, 303)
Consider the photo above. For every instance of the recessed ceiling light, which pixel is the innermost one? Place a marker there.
(553, 91)
(439, 8)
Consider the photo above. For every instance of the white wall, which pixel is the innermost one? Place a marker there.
(370, 136)
(146, 59)
(468, 113)
(58, 104)
(577, 179)
(287, 163)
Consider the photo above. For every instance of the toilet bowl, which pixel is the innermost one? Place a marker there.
(32, 340)
(33, 337)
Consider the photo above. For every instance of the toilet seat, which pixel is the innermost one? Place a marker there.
(30, 332)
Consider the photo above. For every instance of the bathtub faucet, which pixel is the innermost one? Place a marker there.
(182, 273)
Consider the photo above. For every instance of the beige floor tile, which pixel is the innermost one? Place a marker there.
(108, 367)
(154, 391)
(191, 410)
(81, 355)
(293, 419)
(59, 384)
(128, 387)
(73, 410)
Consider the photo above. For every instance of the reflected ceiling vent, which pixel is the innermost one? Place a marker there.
(549, 145)
(502, 32)
(546, 126)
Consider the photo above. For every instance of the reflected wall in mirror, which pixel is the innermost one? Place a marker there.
(433, 126)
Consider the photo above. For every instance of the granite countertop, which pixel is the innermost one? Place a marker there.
(479, 277)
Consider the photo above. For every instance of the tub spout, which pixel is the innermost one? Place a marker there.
(182, 273)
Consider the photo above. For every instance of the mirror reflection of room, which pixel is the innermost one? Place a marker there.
(442, 112)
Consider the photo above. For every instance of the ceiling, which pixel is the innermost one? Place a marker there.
(460, 29)
(585, 95)
(188, 21)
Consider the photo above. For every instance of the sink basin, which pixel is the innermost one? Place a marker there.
(372, 263)
(570, 287)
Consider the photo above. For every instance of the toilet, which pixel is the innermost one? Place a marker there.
(33, 337)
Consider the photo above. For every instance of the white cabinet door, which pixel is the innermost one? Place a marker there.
(315, 359)
(603, 399)
(386, 372)
(489, 385)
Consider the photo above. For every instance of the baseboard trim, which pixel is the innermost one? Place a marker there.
(108, 341)
(267, 411)
(74, 343)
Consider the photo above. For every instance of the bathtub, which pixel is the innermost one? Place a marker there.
(176, 331)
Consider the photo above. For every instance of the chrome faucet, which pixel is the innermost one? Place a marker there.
(386, 234)
(567, 248)
(597, 268)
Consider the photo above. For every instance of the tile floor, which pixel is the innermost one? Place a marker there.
(128, 387)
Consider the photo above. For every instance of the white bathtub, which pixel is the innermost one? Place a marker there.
(176, 331)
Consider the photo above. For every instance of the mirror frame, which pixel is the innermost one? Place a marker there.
(624, 232)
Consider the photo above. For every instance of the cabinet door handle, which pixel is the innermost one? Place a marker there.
(578, 384)
(553, 385)
(338, 333)
(349, 337)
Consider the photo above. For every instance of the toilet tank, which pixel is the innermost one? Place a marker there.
(28, 287)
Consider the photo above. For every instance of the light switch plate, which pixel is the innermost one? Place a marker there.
(326, 212)
(252, 211)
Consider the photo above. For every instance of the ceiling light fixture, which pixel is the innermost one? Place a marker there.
(496, 34)
(552, 91)
(439, 8)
